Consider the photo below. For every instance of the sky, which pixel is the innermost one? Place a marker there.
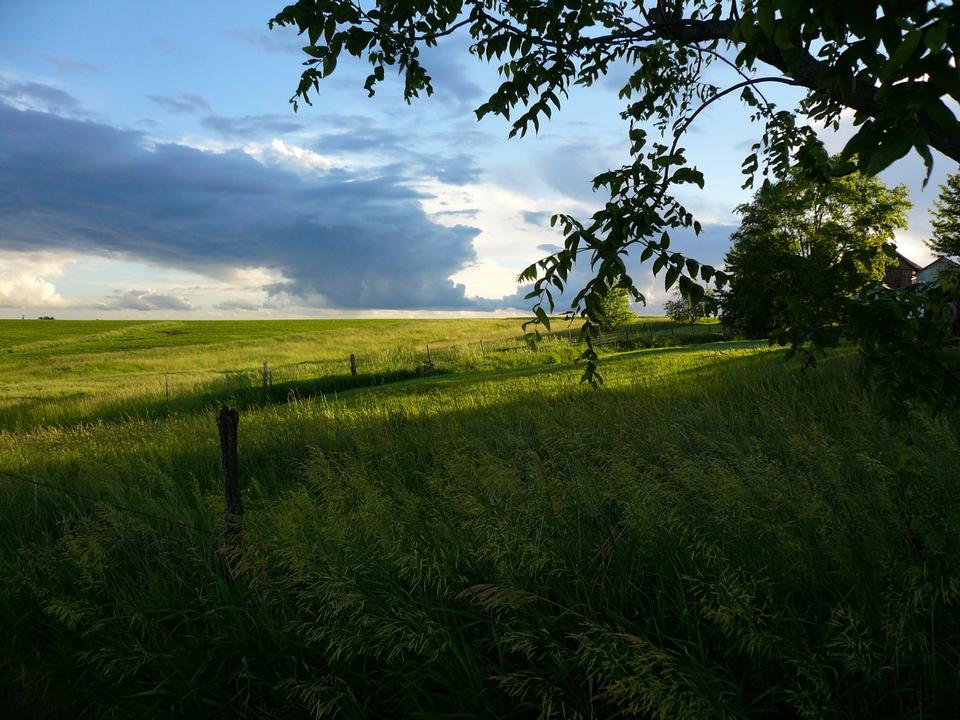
(152, 167)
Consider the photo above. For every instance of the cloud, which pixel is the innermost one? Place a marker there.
(338, 239)
(549, 248)
(69, 65)
(452, 81)
(144, 300)
(183, 103)
(570, 169)
(272, 41)
(539, 219)
(249, 127)
(37, 96)
(457, 170)
(235, 305)
(25, 280)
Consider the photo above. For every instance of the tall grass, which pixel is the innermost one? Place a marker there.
(712, 534)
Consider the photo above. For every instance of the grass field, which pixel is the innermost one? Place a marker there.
(711, 534)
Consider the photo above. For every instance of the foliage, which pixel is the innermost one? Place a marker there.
(892, 63)
(614, 310)
(946, 218)
(687, 310)
(477, 545)
(910, 340)
(804, 248)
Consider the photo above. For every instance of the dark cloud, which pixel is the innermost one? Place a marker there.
(250, 127)
(539, 219)
(183, 103)
(38, 96)
(145, 300)
(340, 240)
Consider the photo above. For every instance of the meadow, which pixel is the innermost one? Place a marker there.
(473, 533)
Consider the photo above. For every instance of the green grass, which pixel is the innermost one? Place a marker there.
(711, 534)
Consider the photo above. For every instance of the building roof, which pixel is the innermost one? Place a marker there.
(940, 259)
(908, 261)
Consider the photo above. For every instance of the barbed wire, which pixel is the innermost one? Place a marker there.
(94, 498)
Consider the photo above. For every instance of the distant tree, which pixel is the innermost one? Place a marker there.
(946, 218)
(688, 310)
(614, 310)
(805, 246)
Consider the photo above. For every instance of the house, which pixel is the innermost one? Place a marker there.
(932, 271)
(901, 275)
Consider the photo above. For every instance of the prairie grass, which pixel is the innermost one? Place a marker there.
(711, 534)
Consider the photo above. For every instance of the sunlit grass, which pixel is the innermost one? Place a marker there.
(712, 533)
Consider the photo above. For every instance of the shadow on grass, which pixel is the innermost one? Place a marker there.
(233, 390)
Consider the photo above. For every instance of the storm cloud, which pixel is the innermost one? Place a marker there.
(339, 239)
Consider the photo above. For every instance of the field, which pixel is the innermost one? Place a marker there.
(466, 531)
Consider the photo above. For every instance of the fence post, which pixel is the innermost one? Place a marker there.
(482, 353)
(429, 361)
(227, 423)
(353, 365)
(166, 386)
(266, 374)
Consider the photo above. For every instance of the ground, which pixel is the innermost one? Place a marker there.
(467, 531)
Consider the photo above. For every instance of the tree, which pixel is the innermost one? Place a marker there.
(892, 62)
(804, 247)
(946, 218)
(614, 310)
(685, 310)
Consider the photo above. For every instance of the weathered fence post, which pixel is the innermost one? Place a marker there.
(266, 374)
(166, 386)
(227, 423)
(429, 360)
(353, 364)
(482, 353)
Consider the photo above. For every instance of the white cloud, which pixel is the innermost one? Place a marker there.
(25, 280)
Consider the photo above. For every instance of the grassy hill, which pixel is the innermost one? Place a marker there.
(712, 533)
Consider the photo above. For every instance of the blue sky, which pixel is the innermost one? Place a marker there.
(150, 166)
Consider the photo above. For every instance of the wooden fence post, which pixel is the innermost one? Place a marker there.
(227, 423)
(266, 374)
(166, 386)
(482, 353)
(353, 364)
(429, 361)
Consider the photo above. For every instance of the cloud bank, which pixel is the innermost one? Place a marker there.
(338, 238)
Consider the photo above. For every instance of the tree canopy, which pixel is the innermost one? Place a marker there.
(946, 218)
(891, 62)
(803, 246)
(685, 310)
(614, 311)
